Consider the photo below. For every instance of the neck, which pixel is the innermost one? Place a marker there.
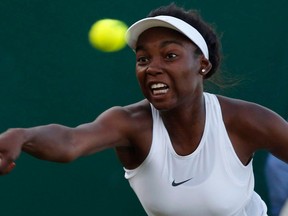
(185, 126)
(183, 114)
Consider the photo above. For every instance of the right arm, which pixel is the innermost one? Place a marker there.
(63, 144)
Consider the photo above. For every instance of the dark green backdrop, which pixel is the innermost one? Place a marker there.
(50, 74)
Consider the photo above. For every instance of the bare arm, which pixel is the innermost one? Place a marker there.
(252, 127)
(275, 138)
(63, 144)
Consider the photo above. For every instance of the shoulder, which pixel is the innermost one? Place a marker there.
(245, 112)
(122, 123)
(232, 107)
(135, 121)
(255, 125)
(128, 114)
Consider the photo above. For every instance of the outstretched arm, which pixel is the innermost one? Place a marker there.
(63, 144)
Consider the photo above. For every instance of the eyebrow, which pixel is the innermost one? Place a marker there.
(163, 44)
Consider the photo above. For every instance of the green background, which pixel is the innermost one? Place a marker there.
(49, 73)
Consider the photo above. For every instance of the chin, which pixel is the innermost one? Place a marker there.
(162, 106)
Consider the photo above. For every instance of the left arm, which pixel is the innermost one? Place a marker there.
(252, 127)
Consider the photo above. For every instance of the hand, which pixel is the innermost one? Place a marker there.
(6, 169)
(10, 147)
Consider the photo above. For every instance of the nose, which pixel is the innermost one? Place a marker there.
(154, 68)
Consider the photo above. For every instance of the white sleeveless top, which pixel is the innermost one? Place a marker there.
(211, 181)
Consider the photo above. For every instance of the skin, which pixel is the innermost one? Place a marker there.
(164, 57)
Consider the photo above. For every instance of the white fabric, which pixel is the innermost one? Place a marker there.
(169, 22)
(284, 210)
(218, 184)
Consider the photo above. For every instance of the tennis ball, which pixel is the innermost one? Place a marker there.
(108, 35)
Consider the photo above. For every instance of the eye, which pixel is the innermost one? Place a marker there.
(142, 59)
(171, 56)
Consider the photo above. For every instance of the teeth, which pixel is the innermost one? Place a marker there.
(159, 88)
(158, 85)
(161, 91)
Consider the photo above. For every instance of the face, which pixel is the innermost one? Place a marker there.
(167, 68)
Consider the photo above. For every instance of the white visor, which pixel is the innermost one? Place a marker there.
(169, 22)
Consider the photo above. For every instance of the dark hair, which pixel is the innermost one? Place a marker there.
(193, 18)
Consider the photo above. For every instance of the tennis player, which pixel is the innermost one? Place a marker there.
(185, 152)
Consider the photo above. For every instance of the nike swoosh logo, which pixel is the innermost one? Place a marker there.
(174, 184)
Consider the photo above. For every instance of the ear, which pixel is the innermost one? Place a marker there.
(205, 66)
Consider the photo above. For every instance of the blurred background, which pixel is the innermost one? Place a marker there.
(49, 73)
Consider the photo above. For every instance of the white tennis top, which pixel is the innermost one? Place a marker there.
(210, 181)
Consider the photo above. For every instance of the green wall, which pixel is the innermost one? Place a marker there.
(49, 73)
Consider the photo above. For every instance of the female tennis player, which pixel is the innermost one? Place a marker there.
(185, 151)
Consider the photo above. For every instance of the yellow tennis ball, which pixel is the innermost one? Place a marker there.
(108, 35)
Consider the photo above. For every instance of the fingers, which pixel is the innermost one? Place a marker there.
(10, 167)
(6, 168)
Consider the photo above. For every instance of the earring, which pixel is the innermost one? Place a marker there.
(203, 70)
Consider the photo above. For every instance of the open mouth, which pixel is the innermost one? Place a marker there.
(159, 88)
